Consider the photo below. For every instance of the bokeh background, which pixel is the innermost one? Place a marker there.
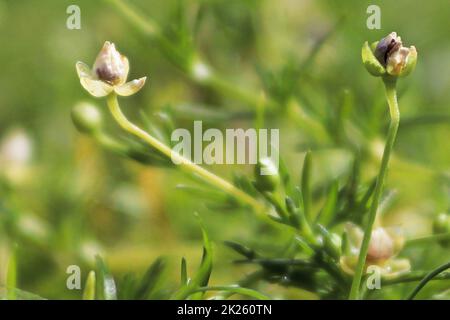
(64, 198)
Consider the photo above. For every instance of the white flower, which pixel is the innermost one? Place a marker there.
(16, 150)
(384, 245)
(109, 74)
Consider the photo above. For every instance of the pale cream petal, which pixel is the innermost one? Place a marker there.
(126, 70)
(395, 267)
(96, 88)
(398, 237)
(84, 71)
(131, 87)
(381, 246)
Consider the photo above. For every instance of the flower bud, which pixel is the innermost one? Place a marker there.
(385, 46)
(110, 66)
(267, 176)
(384, 245)
(389, 57)
(441, 225)
(381, 246)
(109, 74)
(87, 118)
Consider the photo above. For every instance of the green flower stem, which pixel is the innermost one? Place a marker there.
(428, 239)
(391, 96)
(428, 278)
(206, 76)
(185, 163)
(413, 277)
(247, 281)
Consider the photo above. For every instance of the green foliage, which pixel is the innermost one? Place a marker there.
(231, 64)
(201, 278)
(89, 288)
(105, 286)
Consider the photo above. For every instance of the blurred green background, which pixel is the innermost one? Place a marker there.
(70, 199)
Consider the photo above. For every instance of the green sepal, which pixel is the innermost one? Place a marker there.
(371, 63)
(410, 64)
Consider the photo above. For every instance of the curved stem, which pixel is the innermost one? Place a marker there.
(428, 239)
(246, 282)
(414, 276)
(428, 278)
(185, 163)
(391, 96)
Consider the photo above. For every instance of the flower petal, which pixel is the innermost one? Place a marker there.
(96, 88)
(131, 87)
(410, 62)
(395, 267)
(126, 70)
(398, 238)
(397, 61)
(385, 46)
(111, 66)
(84, 71)
(381, 246)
